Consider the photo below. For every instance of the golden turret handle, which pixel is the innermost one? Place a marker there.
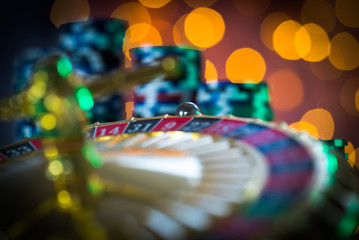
(55, 99)
(21, 105)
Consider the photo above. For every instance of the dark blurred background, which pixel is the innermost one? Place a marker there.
(23, 25)
(317, 92)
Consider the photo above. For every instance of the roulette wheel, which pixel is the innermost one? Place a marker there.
(195, 176)
(183, 176)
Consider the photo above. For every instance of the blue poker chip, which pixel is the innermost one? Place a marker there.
(241, 100)
(108, 109)
(26, 128)
(160, 97)
(24, 64)
(100, 34)
(338, 145)
(94, 46)
(88, 61)
(191, 59)
(163, 97)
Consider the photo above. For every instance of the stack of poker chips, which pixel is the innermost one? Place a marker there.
(245, 100)
(163, 97)
(338, 145)
(23, 66)
(95, 47)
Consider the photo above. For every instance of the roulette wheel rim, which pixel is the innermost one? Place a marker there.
(314, 169)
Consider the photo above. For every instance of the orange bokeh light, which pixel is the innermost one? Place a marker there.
(354, 158)
(179, 36)
(322, 120)
(135, 36)
(139, 21)
(204, 27)
(154, 3)
(347, 12)
(286, 90)
(210, 74)
(133, 13)
(348, 96)
(165, 29)
(129, 106)
(349, 149)
(306, 127)
(320, 12)
(268, 26)
(284, 39)
(66, 11)
(302, 41)
(357, 99)
(319, 43)
(245, 65)
(344, 51)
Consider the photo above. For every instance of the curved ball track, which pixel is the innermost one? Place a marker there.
(220, 178)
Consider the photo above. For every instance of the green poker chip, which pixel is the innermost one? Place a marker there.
(191, 59)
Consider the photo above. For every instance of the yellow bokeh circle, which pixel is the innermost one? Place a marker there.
(306, 127)
(354, 158)
(179, 35)
(141, 34)
(165, 29)
(133, 13)
(349, 96)
(154, 3)
(302, 42)
(347, 12)
(322, 120)
(245, 65)
(350, 151)
(320, 12)
(204, 27)
(344, 51)
(55, 167)
(66, 11)
(48, 121)
(53, 103)
(64, 199)
(269, 25)
(210, 74)
(319, 43)
(284, 39)
(286, 90)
